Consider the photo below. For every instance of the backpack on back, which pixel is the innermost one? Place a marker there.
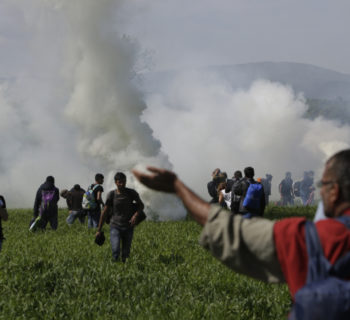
(296, 188)
(253, 196)
(89, 201)
(326, 295)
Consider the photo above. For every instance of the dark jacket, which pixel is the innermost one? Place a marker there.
(38, 198)
(75, 199)
(212, 190)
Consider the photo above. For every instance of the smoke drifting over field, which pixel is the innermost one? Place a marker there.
(96, 110)
(68, 108)
(216, 126)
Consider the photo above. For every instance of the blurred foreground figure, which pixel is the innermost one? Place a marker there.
(275, 251)
(3, 216)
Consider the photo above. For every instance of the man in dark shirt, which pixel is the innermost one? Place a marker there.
(95, 213)
(74, 199)
(3, 216)
(45, 204)
(123, 205)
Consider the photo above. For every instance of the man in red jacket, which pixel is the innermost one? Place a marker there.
(272, 251)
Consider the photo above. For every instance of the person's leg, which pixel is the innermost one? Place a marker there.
(95, 216)
(71, 217)
(115, 242)
(42, 223)
(127, 236)
(284, 200)
(54, 221)
(89, 214)
(81, 216)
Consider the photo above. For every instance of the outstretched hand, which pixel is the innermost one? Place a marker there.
(160, 179)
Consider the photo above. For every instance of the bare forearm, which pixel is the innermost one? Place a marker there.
(198, 208)
(102, 219)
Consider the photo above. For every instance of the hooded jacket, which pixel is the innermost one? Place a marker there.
(38, 198)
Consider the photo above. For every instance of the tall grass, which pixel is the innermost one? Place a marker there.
(64, 275)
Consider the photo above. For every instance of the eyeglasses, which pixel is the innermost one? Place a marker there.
(321, 183)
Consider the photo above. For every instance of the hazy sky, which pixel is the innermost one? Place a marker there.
(182, 33)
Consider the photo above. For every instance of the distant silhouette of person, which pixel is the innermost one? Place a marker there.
(286, 190)
(306, 188)
(267, 187)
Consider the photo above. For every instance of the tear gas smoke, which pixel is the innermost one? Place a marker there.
(93, 71)
(68, 108)
(217, 126)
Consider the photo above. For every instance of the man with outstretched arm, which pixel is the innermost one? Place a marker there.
(272, 251)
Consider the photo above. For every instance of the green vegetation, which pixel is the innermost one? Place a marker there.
(64, 275)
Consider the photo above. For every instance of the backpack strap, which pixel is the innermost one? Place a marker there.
(344, 220)
(318, 265)
(341, 268)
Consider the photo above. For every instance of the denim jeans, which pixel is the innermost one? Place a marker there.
(73, 215)
(93, 218)
(125, 237)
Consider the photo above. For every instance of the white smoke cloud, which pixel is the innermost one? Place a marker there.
(213, 125)
(68, 108)
(73, 109)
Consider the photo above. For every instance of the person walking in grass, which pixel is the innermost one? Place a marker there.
(45, 204)
(94, 212)
(74, 199)
(123, 205)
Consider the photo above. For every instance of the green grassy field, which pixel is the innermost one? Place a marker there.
(65, 275)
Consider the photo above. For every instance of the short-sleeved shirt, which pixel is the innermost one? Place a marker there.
(2, 205)
(123, 207)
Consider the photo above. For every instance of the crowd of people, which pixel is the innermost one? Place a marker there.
(230, 192)
(291, 250)
(312, 258)
(123, 210)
